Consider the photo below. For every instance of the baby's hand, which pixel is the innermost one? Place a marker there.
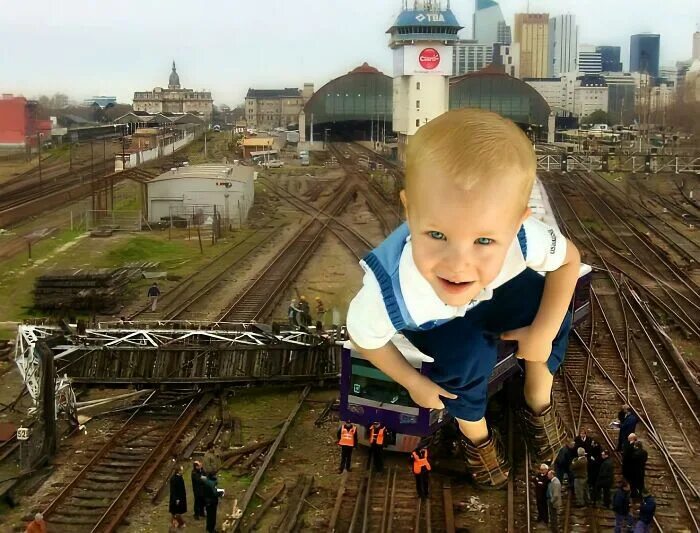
(532, 346)
(427, 393)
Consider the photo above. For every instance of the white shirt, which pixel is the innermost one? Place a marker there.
(368, 321)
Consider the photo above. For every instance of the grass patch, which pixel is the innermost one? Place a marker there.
(142, 248)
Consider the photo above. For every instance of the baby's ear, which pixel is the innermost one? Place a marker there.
(404, 201)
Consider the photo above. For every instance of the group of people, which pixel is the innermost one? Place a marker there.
(299, 312)
(589, 471)
(378, 437)
(206, 497)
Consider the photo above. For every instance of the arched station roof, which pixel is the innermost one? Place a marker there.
(362, 94)
(493, 89)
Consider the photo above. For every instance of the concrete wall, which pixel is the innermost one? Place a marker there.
(138, 158)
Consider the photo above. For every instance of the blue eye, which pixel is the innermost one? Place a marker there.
(437, 235)
(484, 241)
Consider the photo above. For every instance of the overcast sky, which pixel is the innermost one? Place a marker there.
(103, 47)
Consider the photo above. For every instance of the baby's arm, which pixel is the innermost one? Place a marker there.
(535, 340)
(389, 360)
(559, 287)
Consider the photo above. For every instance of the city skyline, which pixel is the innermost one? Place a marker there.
(227, 49)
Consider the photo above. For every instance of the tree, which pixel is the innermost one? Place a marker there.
(597, 117)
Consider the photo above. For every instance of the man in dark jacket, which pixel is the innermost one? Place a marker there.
(594, 460)
(628, 424)
(583, 441)
(541, 485)
(198, 490)
(646, 514)
(638, 467)
(178, 497)
(153, 294)
(211, 501)
(605, 478)
(621, 508)
(562, 464)
(627, 457)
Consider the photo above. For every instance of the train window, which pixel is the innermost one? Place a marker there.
(372, 384)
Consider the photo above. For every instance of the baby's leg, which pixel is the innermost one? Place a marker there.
(477, 432)
(538, 386)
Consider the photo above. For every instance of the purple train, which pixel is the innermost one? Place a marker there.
(367, 394)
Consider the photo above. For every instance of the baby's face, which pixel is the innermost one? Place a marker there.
(460, 238)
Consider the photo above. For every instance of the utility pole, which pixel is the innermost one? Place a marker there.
(38, 144)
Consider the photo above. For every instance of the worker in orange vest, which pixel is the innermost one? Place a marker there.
(378, 438)
(347, 440)
(421, 470)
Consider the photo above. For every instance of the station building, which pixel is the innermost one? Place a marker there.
(199, 193)
(276, 108)
(174, 99)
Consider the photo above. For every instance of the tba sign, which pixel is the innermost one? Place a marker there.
(429, 58)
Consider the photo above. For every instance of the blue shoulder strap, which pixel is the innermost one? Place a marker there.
(522, 241)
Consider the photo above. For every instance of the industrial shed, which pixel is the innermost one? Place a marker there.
(196, 194)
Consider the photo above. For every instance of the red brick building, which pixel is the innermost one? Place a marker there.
(20, 122)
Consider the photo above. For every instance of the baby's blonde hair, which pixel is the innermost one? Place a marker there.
(471, 145)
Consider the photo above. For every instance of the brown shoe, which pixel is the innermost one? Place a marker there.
(545, 432)
(487, 463)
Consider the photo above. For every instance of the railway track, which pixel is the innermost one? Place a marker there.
(259, 296)
(619, 359)
(384, 502)
(101, 494)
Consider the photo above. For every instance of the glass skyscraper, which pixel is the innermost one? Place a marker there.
(610, 58)
(644, 53)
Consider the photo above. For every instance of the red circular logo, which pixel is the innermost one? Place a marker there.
(429, 58)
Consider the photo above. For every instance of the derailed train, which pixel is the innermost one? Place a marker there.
(367, 394)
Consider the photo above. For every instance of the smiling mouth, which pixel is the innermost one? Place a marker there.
(454, 287)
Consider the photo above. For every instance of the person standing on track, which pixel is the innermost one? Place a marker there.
(638, 468)
(377, 440)
(198, 490)
(554, 501)
(621, 508)
(628, 425)
(347, 440)
(580, 470)
(541, 485)
(562, 464)
(605, 479)
(153, 294)
(38, 525)
(178, 498)
(211, 501)
(320, 311)
(421, 471)
(647, 510)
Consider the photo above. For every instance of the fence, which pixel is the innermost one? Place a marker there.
(117, 220)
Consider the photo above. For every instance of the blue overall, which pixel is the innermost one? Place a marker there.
(465, 348)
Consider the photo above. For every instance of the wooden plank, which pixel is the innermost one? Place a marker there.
(261, 471)
(449, 509)
(338, 502)
(261, 512)
(292, 521)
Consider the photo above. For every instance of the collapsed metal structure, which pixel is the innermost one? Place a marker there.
(176, 353)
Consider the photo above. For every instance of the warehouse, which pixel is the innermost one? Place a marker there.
(199, 194)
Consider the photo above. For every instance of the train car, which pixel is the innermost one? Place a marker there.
(367, 394)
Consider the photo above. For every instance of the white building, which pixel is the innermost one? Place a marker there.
(590, 95)
(508, 55)
(553, 90)
(470, 56)
(589, 60)
(696, 45)
(195, 193)
(563, 45)
(421, 40)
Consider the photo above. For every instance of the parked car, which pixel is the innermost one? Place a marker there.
(274, 164)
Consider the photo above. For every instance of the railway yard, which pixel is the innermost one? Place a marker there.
(274, 439)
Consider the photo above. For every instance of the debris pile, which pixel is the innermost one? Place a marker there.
(98, 291)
